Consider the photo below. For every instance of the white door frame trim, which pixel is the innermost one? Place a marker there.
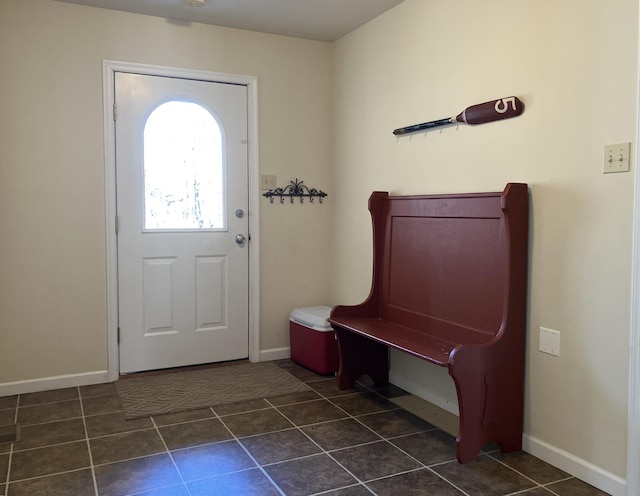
(633, 422)
(109, 68)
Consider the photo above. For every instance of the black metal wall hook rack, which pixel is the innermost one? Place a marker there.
(295, 190)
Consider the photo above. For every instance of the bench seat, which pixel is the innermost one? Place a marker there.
(418, 343)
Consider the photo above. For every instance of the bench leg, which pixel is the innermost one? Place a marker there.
(506, 408)
(491, 408)
(471, 401)
(361, 356)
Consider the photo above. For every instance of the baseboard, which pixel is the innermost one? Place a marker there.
(275, 354)
(57, 382)
(579, 468)
(417, 389)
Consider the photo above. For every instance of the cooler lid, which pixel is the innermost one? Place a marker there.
(313, 317)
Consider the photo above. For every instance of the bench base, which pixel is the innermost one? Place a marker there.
(490, 401)
(366, 357)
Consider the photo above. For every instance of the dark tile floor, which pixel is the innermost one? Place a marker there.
(76, 442)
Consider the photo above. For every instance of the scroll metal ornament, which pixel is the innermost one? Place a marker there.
(295, 190)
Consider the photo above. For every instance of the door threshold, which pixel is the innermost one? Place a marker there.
(186, 368)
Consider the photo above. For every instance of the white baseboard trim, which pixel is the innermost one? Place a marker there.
(579, 468)
(56, 382)
(421, 392)
(275, 354)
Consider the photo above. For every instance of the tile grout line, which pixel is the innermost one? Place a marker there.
(299, 429)
(51, 445)
(537, 484)
(388, 441)
(397, 407)
(489, 454)
(53, 421)
(66, 418)
(330, 491)
(554, 482)
(240, 413)
(155, 426)
(113, 434)
(49, 403)
(50, 475)
(46, 403)
(211, 443)
(423, 465)
(523, 491)
(311, 455)
(330, 400)
(259, 465)
(86, 436)
(360, 482)
(9, 460)
(429, 467)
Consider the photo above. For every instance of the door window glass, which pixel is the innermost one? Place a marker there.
(183, 169)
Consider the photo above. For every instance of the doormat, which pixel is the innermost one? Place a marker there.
(189, 390)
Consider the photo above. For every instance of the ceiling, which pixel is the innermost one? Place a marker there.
(322, 20)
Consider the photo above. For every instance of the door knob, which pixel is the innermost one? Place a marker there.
(240, 239)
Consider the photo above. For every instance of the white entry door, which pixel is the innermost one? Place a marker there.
(182, 199)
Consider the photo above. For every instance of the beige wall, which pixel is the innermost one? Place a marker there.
(574, 64)
(53, 313)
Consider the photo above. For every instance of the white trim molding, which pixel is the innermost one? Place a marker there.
(633, 422)
(109, 68)
(579, 468)
(419, 390)
(633, 429)
(275, 354)
(56, 382)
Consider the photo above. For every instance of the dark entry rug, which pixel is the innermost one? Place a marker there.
(189, 390)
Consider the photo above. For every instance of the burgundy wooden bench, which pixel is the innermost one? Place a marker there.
(450, 287)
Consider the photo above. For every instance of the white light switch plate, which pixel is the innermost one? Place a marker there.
(267, 181)
(616, 158)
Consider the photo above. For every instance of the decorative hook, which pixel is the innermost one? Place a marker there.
(295, 189)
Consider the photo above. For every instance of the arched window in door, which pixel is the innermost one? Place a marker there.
(183, 169)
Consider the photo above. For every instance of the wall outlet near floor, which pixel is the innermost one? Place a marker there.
(267, 182)
(550, 341)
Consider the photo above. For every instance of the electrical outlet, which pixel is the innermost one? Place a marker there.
(267, 182)
(550, 341)
(616, 158)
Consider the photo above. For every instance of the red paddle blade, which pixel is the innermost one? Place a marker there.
(495, 110)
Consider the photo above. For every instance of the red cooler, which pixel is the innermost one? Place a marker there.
(313, 341)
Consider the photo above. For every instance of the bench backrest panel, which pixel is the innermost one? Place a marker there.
(443, 262)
